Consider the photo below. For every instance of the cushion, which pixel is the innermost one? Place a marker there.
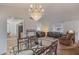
(50, 34)
(54, 34)
(40, 34)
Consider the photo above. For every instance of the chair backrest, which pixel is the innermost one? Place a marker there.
(70, 36)
(49, 50)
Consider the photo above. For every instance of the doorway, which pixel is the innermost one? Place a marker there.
(14, 26)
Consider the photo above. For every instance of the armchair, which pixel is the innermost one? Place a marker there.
(67, 39)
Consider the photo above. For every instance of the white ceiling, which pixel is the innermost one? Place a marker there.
(53, 12)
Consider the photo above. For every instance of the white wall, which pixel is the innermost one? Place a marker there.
(3, 34)
(71, 25)
(11, 28)
(40, 24)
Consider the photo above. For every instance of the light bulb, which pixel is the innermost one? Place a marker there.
(42, 10)
(31, 6)
(40, 6)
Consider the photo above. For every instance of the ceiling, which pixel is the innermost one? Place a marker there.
(54, 12)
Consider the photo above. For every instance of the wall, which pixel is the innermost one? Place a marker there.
(3, 34)
(44, 21)
(71, 25)
(11, 28)
(40, 24)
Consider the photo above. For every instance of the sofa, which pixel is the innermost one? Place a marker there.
(49, 34)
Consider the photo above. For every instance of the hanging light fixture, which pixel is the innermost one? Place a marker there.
(36, 12)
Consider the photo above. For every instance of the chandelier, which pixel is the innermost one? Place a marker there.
(36, 12)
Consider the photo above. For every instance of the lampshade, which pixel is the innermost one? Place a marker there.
(71, 31)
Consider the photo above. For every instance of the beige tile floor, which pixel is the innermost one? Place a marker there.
(69, 50)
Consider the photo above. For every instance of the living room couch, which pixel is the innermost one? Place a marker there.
(49, 34)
